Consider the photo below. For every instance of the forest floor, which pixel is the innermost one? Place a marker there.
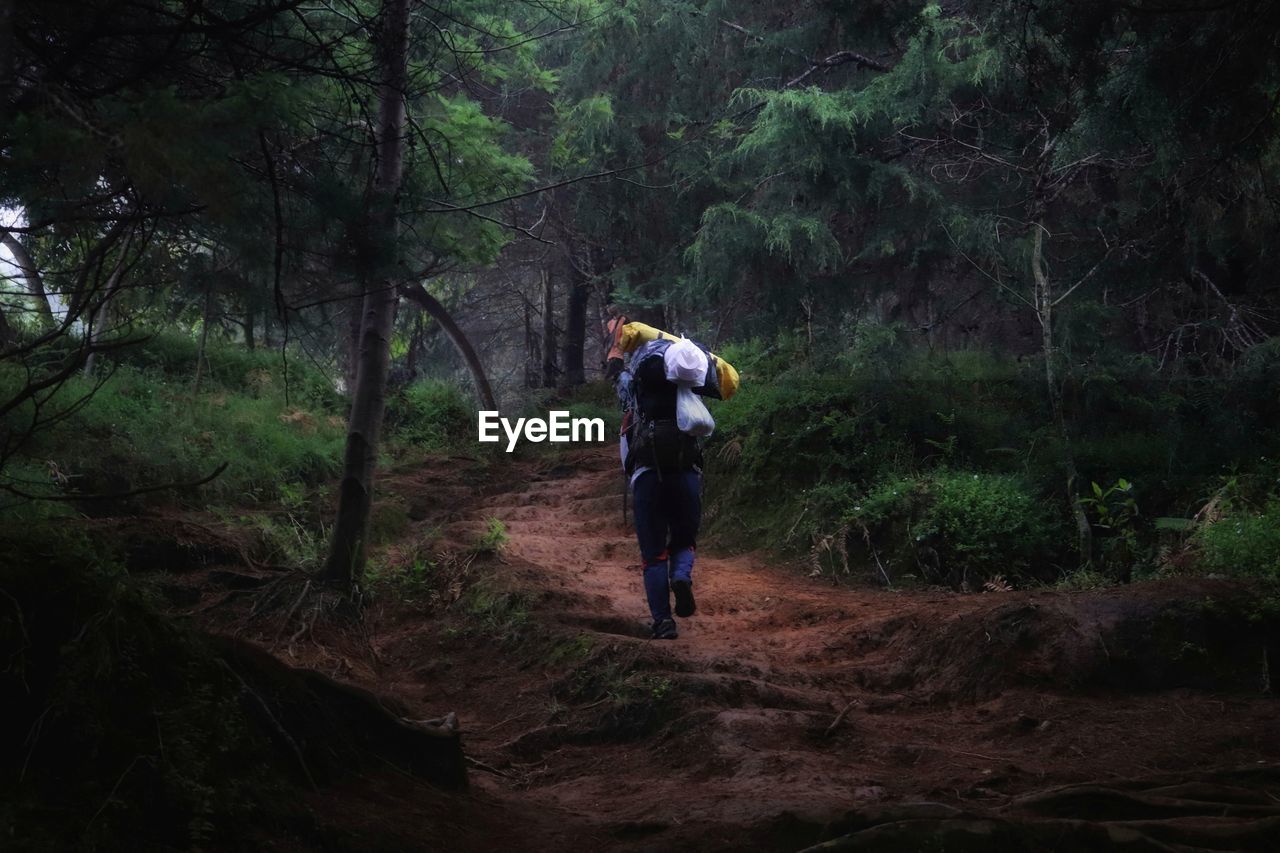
(790, 710)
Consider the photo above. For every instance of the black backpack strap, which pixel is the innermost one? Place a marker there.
(710, 387)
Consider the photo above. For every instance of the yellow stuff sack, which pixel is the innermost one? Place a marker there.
(635, 335)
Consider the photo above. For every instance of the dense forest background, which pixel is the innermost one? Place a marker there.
(1000, 277)
(940, 240)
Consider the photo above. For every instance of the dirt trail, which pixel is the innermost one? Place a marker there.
(790, 710)
(967, 700)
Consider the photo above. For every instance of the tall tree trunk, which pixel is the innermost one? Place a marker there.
(432, 306)
(548, 330)
(103, 312)
(351, 345)
(532, 349)
(202, 350)
(6, 59)
(31, 275)
(1044, 312)
(575, 333)
(266, 327)
(415, 346)
(348, 547)
(7, 336)
(250, 343)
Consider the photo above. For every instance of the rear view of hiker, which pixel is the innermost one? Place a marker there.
(664, 422)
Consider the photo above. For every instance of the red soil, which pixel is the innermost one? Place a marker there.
(787, 702)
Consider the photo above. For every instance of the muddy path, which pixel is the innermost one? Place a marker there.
(789, 708)
(787, 701)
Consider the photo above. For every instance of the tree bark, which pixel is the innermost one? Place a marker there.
(1044, 312)
(415, 346)
(351, 345)
(7, 336)
(6, 59)
(31, 275)
(249, 342)
(432, 306)
(532, 349)
(202, 349)
(575, 334)
(548, 330)
(348, 547)
(103, 312)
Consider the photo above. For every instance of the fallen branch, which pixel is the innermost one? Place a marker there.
(217, 472)
(480, 765)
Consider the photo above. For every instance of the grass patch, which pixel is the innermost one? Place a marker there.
(499, 614)
(1244, 542)
(142, 429)
(493, 540)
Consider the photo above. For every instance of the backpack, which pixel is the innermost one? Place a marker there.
(654, 439)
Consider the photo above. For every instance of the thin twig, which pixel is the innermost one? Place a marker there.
(844, 712)
(117, 495)
(306, 587)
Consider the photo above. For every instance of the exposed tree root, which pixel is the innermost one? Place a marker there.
(1232, 810)
(332, 726)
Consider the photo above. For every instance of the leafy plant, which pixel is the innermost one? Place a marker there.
(957, 527)
(430, 415)
(1243, 542)
(1113, 512)
(493, 540)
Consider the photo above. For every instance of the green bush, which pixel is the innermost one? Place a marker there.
(822, 425)
(806, 438)
(1244, 543)
(955, 527)
(982, 524)
(431, 415)
(231, 367)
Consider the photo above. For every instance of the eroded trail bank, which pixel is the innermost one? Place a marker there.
(791, 711)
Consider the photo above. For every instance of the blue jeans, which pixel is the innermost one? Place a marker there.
(668, 511)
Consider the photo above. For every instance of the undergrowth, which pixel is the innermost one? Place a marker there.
(123, 730)
(888, 462)
(144, 427)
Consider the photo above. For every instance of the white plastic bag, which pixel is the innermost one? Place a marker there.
(691, 413)
(686, 364)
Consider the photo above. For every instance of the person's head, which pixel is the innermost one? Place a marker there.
(613, 310)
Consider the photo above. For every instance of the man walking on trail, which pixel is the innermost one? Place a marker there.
(663, 424)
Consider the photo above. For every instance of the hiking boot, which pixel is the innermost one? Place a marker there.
(685, 605)
(665, 629)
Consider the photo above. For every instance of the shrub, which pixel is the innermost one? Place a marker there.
(430, 414)
(957, 527)
(1243, 542)
(230, 367)
(813, 433)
